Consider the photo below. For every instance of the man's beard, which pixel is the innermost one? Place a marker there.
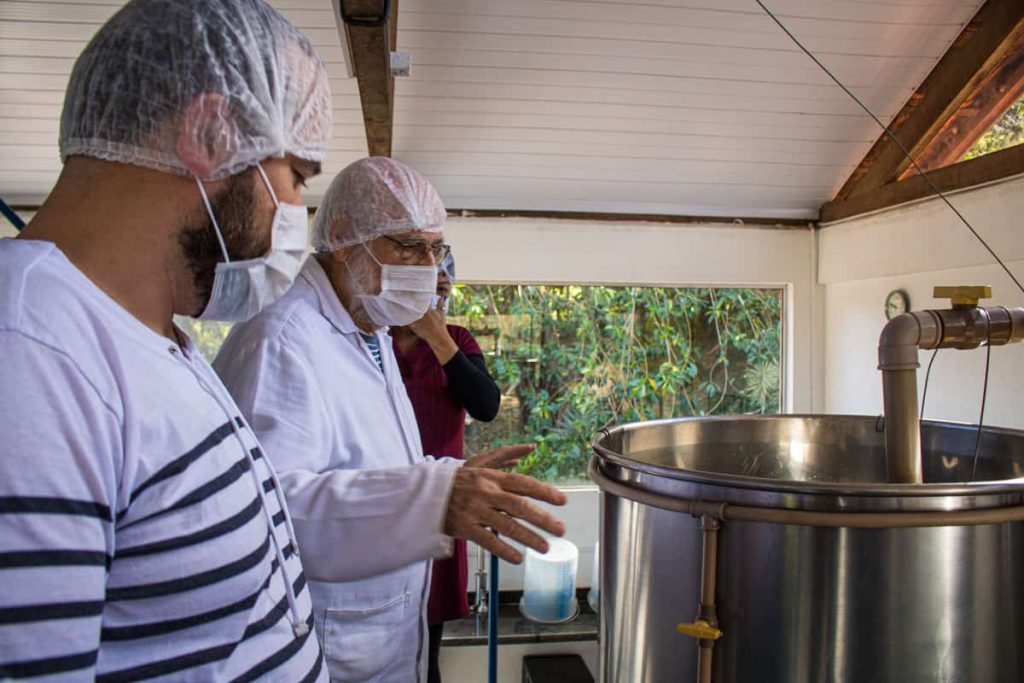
(236, 213)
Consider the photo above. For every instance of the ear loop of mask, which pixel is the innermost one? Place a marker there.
(213, 219)
(266, 180)
(376, 260)
(351, 272)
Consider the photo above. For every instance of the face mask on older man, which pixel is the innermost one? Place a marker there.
(405, 293)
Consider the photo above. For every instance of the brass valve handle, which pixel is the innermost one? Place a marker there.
(699, 629)
(963, 295)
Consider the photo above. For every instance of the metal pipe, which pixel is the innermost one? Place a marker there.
(480, 601)
(708, 577)
(705, 627)
(710, 525)
(965, 326)
(704, 660)
(902, 430)
(898, 345)
(851, 520)
(492, 624)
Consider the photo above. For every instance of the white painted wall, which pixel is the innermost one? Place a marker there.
(914, 248)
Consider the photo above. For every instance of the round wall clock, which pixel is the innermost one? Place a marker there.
(896, 303)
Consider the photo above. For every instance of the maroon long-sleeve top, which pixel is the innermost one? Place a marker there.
(440, 396)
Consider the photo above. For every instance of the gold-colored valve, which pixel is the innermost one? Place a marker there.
(699, 629)
(963, 295)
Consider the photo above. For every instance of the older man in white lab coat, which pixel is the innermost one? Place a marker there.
(316, 376)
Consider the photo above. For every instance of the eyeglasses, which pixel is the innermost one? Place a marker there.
(417, 251)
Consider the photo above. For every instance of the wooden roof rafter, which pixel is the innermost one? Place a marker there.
(996, 93)
(956, 103)
(371, 30)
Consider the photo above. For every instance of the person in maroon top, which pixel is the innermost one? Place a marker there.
(445, 377)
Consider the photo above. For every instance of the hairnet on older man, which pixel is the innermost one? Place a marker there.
(134, 92)
(373, 197)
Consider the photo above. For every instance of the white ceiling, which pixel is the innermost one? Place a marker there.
(691, 107)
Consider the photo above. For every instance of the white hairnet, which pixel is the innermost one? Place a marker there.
(372, 197)
(140, 84)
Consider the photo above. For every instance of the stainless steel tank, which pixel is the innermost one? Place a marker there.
(935, 594)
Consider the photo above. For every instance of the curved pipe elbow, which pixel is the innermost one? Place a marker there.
(903, 336)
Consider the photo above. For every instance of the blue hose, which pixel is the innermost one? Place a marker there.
(492, 623)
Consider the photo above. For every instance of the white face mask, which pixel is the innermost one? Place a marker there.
(405, 293)
(241, 289)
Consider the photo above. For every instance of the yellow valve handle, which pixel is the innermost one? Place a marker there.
(699, 629)
(963, 295)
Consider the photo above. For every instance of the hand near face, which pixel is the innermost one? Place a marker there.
(432, 326)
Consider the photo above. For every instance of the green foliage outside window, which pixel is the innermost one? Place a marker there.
(206, 335)
(1006, 132)
(571, 360)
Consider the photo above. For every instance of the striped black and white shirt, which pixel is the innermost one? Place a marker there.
(134, 542)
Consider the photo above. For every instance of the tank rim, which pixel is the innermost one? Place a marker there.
(1013, 487)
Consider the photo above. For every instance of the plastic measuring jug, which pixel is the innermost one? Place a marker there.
(549, 583)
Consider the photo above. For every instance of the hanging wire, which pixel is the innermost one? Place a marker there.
(899, 144)
(984, 392)
(927, 376)
(940, 195)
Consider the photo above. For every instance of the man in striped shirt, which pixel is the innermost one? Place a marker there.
(143, 534)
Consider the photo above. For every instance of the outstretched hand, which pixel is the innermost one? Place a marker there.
(484, 498)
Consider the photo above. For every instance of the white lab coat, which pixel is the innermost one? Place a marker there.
(367, 507)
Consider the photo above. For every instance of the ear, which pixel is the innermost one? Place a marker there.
(340, 256)
(206, 137)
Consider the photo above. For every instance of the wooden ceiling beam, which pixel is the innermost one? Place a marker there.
(607, 217)
(371, 27)
(980, 47)
(989, 168)
(1003, 86)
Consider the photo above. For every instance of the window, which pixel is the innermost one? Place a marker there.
(570, 360)
(1007, 131)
